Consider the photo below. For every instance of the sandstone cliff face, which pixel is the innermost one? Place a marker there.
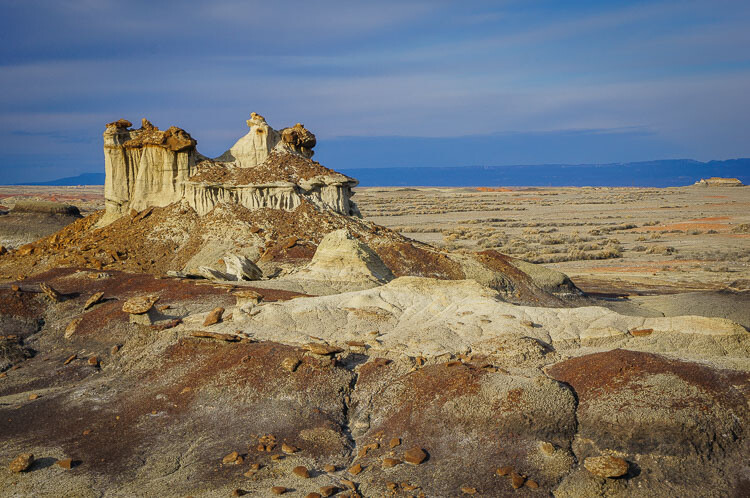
(144, 167)
(266, 168)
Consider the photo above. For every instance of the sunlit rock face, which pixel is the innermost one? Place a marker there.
(266, 168)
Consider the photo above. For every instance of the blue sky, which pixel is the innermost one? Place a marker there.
(516, 82)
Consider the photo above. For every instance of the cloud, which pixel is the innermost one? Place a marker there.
(678, 70)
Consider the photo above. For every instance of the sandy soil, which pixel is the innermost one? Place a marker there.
(651, 240)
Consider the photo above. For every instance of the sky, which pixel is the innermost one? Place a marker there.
(379, 83)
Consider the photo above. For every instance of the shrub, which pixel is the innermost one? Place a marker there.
(660, 249)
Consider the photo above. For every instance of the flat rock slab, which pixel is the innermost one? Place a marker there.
(139, 305)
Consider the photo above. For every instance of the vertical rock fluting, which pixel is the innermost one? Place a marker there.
(149, 167)
(144, 167)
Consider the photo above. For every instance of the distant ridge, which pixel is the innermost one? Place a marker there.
(661, 173)
(82, 179)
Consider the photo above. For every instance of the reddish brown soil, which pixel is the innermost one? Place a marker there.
(596, 375)
(278, 167)
(19, 304)
(688, 225)
(405, 258)
(522, 286)
(169, 404)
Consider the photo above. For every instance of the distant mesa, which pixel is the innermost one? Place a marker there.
(266, 168)
(716, 181)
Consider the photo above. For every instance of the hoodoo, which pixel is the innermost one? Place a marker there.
(266, 168)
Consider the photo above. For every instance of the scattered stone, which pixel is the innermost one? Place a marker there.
(415, 455)
(408, 487)
(247, 296)
(289, 449)
(606, 466)
(94, 299)
(231, 458)
(242, 268)
(290, 242)
(290, 363)
(238, 492)
(277, 457)
(15, 288)
(139, 305)
(322, 349)
(313, 495)
(392, 486)
(170, 324)
(394, 442)
(469, 491)
(420, 360)
(22, 462)
(215, 335)
(214, 316)
(641, 332)
(349, 484)
(72, 326)
(527, 323)
(86, 432)
(32, 397)
(278, 490)
(504, 471)
(93, 361)
(328, 491)
(50, 292)
(355, 469)
(517, 480)
(532, 484)
(330, 468)
(301, 471)
(547, 448)
(70, 358)
(356, 344)
(391, 462)
(65, 463)
(3, 250)
(380, 362)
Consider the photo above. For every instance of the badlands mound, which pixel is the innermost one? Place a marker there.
(30, 220)
(232, 326)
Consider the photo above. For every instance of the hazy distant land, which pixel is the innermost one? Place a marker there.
(660, 173)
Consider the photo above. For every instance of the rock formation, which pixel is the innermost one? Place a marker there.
(716, 181)
(266, 168)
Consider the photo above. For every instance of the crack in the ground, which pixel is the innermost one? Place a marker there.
(350, 363)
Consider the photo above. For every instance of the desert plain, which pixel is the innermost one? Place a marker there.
(256, 325)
